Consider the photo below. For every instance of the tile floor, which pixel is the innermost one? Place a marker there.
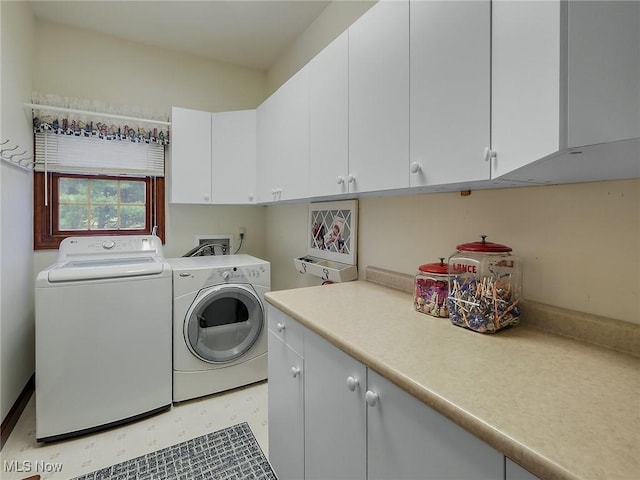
(85, 454)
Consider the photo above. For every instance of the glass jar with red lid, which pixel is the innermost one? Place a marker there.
(485, 286)
(431, 288)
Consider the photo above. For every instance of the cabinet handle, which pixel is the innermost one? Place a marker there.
(351, 178)
(371, 398)
(489, 154)
(340, 180)
(352, 383)
(280, 327)
(415, 167)
(295, 371)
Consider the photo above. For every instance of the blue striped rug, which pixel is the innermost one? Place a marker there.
(232, 453)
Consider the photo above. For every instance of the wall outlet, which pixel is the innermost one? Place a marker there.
(243, 231)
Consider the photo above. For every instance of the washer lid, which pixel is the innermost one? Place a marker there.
(93, 269)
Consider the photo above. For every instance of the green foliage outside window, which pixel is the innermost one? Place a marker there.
(101, 204)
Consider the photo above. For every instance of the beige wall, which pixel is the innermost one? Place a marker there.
(16, 208)
(125, 73)
(334, 20)
(100, 67)
(579, 243)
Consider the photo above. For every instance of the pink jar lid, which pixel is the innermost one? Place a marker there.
(440, 268)
(483, 247)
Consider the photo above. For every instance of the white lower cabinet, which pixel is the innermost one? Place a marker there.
(513, 471)
(358, 425)
(286, 409)
(335, 412)
(408, 440)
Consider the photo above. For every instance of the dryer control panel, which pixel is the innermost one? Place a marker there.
(244, 274)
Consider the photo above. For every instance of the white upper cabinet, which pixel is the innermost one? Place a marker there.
(233, 146)
(290, 171)
(379, 98)
(213, 157)
(450, 88)
(266, 143)
(329, 119)
(565, 83)
(283, 141)
(525, 83)
(190, 164)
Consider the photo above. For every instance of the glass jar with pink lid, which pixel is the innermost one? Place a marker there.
(431, 289)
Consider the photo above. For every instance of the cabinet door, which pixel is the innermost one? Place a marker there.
(335, 412)
(450, 88)
(190, 156)
(379, 98)
(290, 170)
(526, 83)
(286, 410)
(408, 440)
(266, 144)
(513, 471)
(329, 119)
(603, 73)
(233, 151)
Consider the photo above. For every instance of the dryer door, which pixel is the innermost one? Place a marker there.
(223, 323)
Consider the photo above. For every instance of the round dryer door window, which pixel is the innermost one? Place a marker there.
(223, 323)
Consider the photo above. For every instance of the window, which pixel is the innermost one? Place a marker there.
(86, 185)
(79, 205)
(104, 203)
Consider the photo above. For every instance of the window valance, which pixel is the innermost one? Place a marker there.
(98, 119)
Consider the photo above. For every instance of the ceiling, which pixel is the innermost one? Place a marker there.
(248, 33)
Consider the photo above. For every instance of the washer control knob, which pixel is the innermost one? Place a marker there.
(226, 274)
(108, 244)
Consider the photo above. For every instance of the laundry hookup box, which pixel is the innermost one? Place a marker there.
(332, 242)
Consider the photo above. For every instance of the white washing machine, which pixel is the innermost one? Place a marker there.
(219, 323)
(103, 335)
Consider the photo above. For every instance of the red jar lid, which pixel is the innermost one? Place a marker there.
(440, 268)
(483, 246)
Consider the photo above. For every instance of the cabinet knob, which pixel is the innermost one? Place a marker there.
(351, 178)
(352, 383)
(371, 398)
(295, 371)
(340, 180)
(280, 327)
(490, 154)
(415, 167)
(251, 197)
(206, 197)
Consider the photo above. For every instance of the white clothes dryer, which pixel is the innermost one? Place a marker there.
(219, 323)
